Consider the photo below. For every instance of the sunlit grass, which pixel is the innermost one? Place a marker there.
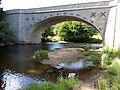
(62, 84)
(97, 36)
(110, 81)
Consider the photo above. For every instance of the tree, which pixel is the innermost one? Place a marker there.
(6, 35)
(74, 31)
(47, 32)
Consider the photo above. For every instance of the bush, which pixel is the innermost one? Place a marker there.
(40, 55)
(94, 58)
(105, 60)
(112, 53)
(113, 69)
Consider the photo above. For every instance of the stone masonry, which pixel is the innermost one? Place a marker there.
(29, 24)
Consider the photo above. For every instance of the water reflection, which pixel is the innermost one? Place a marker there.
(15, 81)
(18, 58)
(79, 64)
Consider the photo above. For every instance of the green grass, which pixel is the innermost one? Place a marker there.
(109, 54)
(91, 55)
(97, 36)
(116, 83)
(112, 53)
(103, 84)
(111, 81)
(113, 69)
(62, 84)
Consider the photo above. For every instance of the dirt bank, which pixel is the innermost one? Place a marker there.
(63, 55)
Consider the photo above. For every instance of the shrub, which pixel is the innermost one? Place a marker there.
(40, 55)
(106, 60)
(113, 69)
(86, 48)
(111, 52)
(94, 58)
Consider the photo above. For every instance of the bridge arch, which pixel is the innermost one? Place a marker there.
(34, 34)
(103, 15)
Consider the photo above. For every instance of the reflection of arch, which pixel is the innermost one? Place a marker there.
(37, 29)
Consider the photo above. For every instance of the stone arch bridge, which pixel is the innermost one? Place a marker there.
(28, 24)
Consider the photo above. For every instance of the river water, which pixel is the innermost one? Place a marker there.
(18, 69)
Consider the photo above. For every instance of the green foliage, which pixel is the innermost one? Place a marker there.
(111, 80)
(108, 55)
(116, 83)
(94, 40)
(111, 52)
(91, 55)
(74, 31)
(69, 82)
(105, 60)
(40, 55)
(2, 16)
(6, 35)
(113, 69)
(87, 48)
(86, 51)
(94, 58)
(103, 83)
(47, 32)
(63, 84)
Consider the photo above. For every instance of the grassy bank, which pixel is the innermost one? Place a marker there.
(110, 61)
(62, 84)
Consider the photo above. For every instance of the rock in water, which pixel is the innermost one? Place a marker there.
(71, 75)
(58, 67)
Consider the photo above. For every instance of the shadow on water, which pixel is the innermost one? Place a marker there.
(18, 69)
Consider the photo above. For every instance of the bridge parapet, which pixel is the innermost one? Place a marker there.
(71, 7)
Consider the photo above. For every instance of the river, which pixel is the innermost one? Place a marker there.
(17, 66)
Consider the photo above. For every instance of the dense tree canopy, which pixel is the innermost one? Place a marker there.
(47, 32)
(72, 31)
(6, 35)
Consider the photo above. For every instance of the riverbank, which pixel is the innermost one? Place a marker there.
(63, 55)
(88, 77)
